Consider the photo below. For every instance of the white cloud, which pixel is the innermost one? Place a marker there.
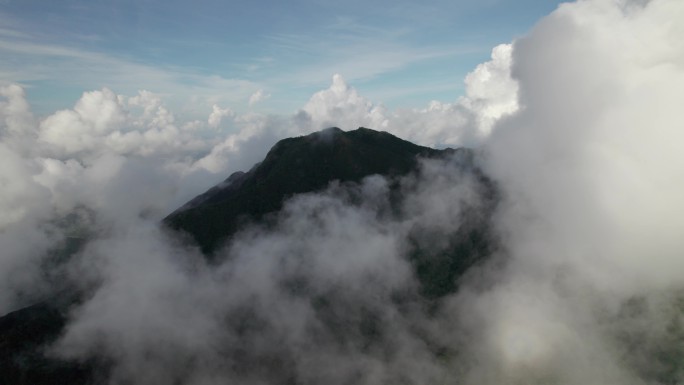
(258, 96)
(490, 91)
(491, 94)
(217, 114)
(592, 186)
(593, 137)
(15, 111)
(342, 106)
(96, 115)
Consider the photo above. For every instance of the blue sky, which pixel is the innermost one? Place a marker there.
(195, 54)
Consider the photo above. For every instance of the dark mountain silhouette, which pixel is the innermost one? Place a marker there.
(293, 166)
(25, 336)
(309, 163)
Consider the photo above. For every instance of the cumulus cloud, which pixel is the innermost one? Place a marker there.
(217, 114)
(15, 111)
(578, 127)
(594, 139)
(96, 115)
(491, 93)
(592, 185)
(341, 105)
(258, 96)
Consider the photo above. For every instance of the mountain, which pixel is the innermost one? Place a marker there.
(310, 163)
(24, 336)
(293, 166)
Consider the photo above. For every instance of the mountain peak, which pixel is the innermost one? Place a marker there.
(293, 166)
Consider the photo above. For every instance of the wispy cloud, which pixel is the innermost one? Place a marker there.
(359, 56)
(27, 59)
